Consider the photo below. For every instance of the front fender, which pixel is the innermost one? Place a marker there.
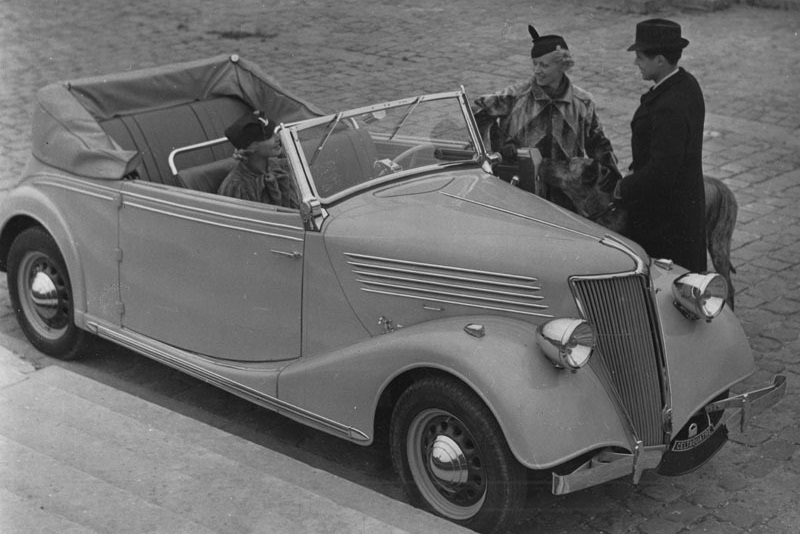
(703, 359)
(547, 415)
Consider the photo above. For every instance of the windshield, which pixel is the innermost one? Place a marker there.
(355, 147)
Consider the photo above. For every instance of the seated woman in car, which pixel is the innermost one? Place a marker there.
(260, 174)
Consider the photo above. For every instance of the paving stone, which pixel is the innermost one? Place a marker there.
(783, 306)
(732, 482)
(779, 450)
(736, 514)
(658, 525)
(685, 513)
(782, 333)
(764, 344)
(770, 263)
(760, 467)
(708, 497)
(614, 522)
(663, 493)
(713, 526)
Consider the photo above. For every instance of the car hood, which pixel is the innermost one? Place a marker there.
(456, 243)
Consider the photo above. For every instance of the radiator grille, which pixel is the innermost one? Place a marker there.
(629, 352)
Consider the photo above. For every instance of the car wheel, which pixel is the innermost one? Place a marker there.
(452, 457)
(41, 295)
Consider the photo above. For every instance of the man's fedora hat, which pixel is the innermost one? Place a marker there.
(658, 34)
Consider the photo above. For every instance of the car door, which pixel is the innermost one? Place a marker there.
(213, 275)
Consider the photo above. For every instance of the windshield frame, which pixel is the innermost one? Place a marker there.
(290, 137)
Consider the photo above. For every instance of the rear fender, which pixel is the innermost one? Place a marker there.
(49, 207)
(547, 415)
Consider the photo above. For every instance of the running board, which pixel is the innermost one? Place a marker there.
(168, 355)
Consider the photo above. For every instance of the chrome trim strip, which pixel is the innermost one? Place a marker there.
(438, 275)
(516, 214)
(472, 125)
(444, 301)
(450, 294)
(211, 223)
(309, 123)
(444, 267)
(129, 193)
(613, 242)
(453, 286)
(163, 355)
(112, 192)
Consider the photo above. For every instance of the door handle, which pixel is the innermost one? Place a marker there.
(295, 255)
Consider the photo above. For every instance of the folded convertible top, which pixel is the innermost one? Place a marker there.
(67, 121)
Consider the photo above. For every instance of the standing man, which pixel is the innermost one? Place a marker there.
(664, 193)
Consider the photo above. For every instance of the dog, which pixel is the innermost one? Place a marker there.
(579, 180)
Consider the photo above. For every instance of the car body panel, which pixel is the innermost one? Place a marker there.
(216, 277)
(329, 322)
(405, 272)
(538, 406)
(87, 241)
(688, 345)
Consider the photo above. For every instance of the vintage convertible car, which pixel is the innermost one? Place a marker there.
(489, 333)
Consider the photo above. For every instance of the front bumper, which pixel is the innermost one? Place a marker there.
(608, 465)
(746, 405)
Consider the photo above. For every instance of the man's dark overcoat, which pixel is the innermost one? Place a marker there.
(664, 194)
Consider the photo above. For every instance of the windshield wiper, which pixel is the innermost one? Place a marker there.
(405, 117)
(328, 132)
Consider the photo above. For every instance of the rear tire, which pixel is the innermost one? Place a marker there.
(452, 456)
(41, 295)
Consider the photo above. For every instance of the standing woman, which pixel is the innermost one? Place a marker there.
(547, 112)
(664, 194)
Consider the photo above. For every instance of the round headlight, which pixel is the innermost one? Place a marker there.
(700, 296)
(568, 343)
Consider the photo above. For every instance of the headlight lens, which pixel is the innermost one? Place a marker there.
(568, 343)
(700, 296)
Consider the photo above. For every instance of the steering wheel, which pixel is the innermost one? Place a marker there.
(408, 158)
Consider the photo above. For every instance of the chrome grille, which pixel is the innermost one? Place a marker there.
(502, 292)
(630, 352)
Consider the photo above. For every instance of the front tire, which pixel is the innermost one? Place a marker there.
(452, 457)
(41, 295)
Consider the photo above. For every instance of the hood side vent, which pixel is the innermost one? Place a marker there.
(501, 292)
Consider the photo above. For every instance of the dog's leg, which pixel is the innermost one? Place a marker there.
(721, 213)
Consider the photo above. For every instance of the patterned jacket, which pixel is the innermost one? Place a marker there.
(275, 186)
(561, 128)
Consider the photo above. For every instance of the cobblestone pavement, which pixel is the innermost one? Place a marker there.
(361, 51)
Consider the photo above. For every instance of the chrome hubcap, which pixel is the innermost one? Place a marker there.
(446, 464)
(44, 295)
